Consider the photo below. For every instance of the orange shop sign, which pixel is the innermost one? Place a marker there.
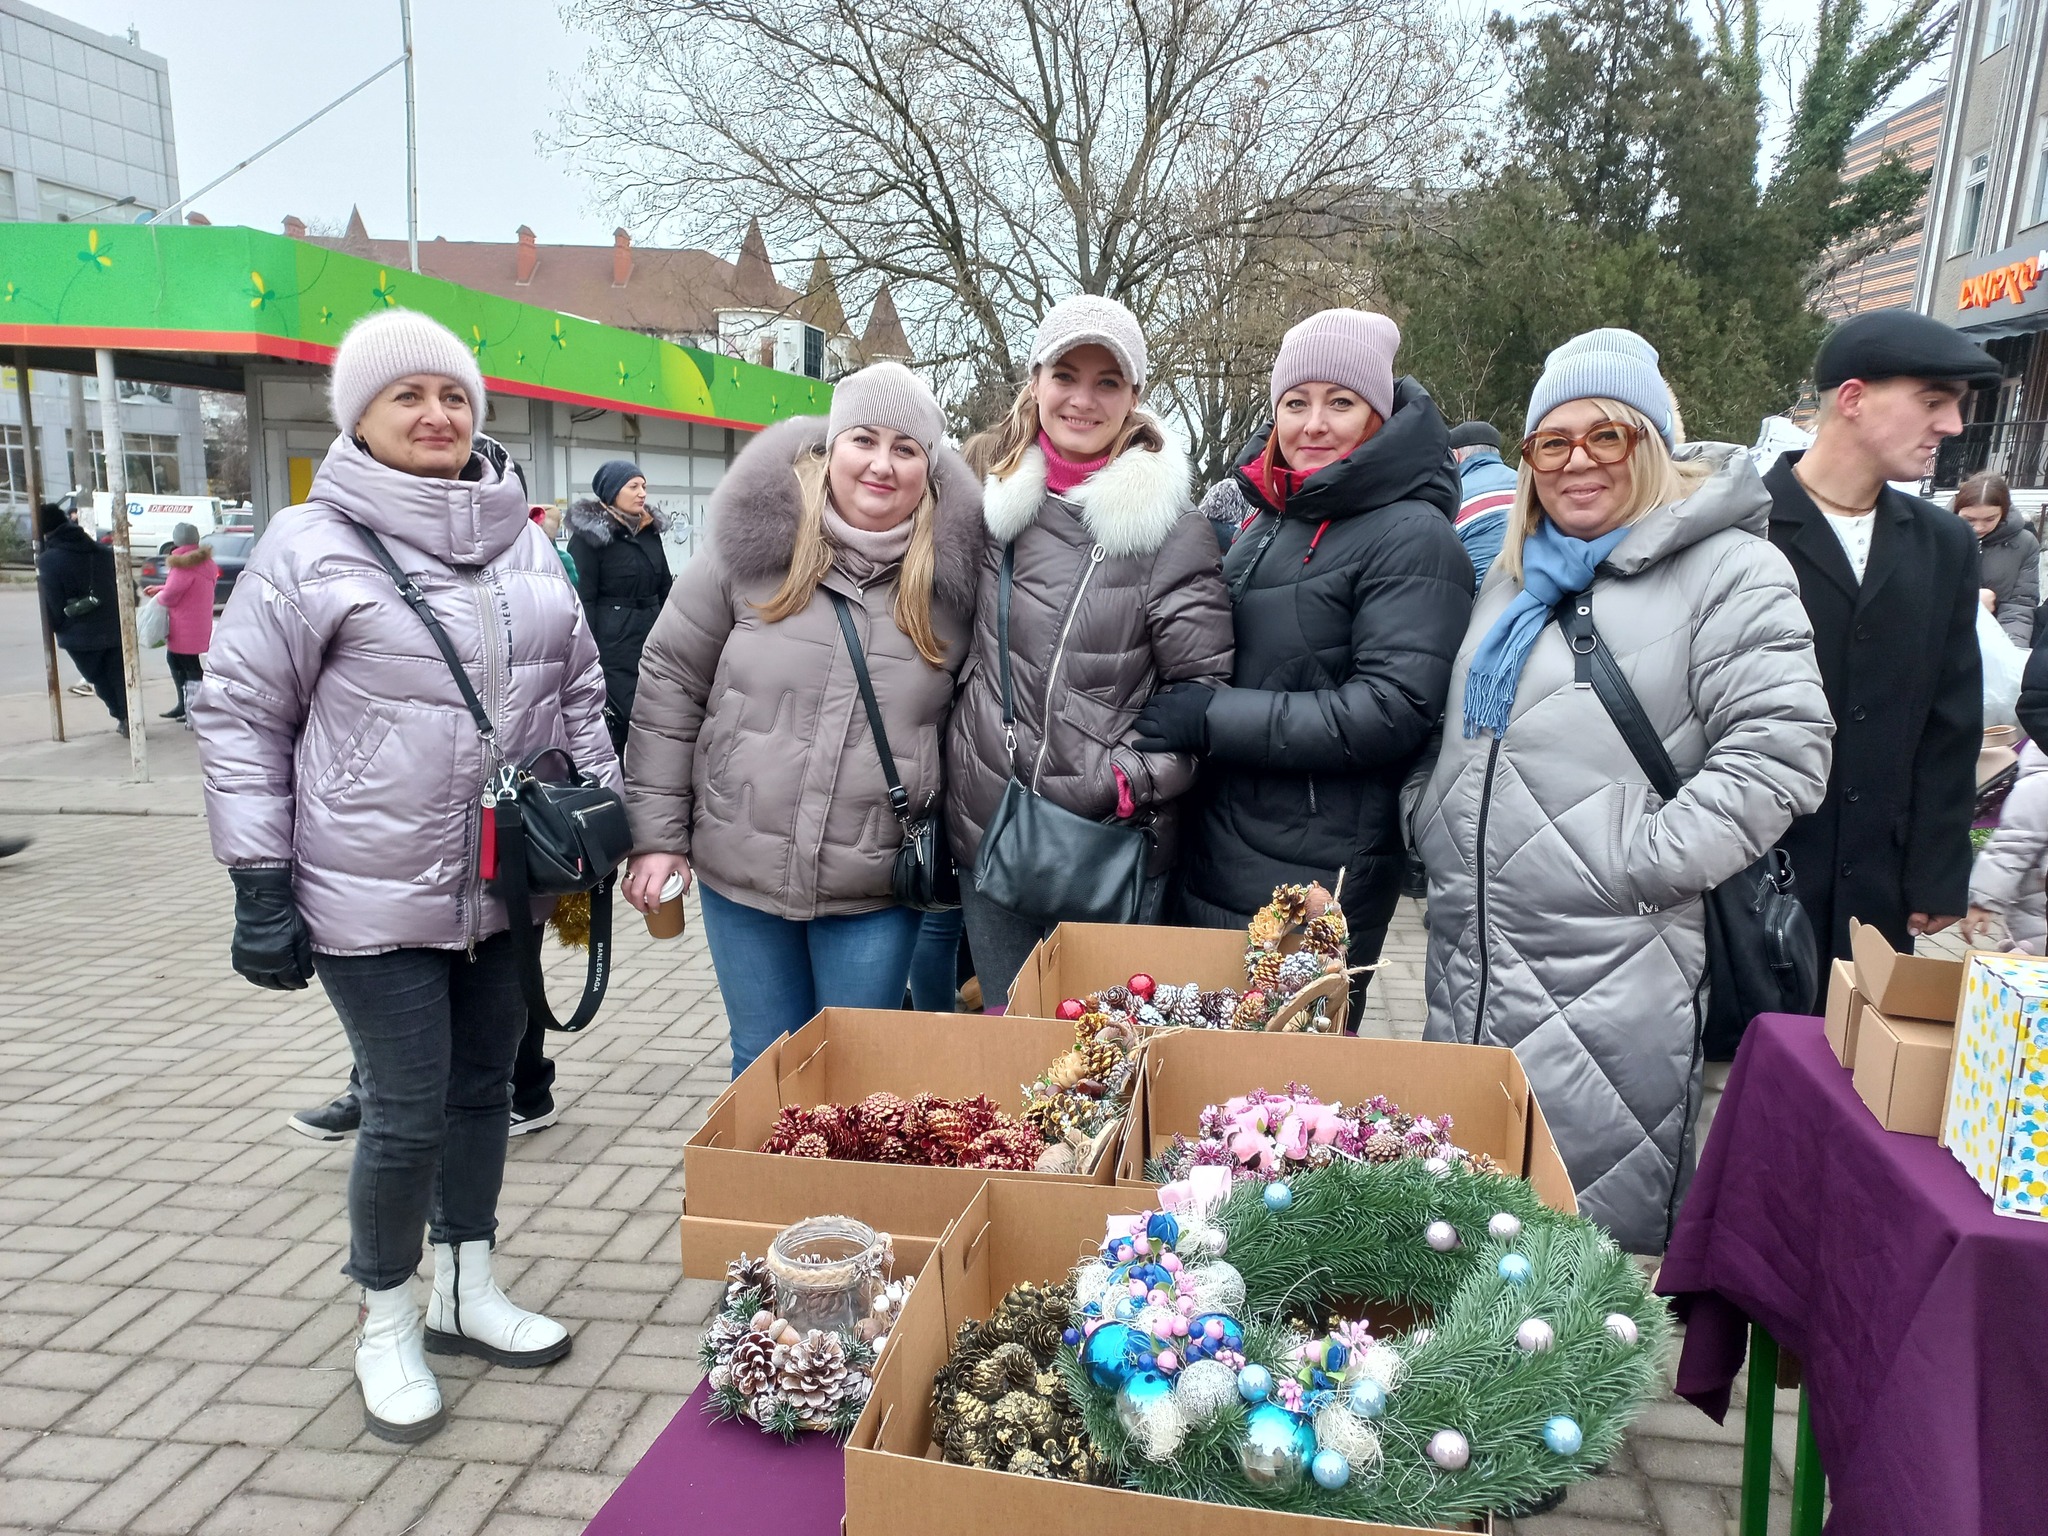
(2015, 280)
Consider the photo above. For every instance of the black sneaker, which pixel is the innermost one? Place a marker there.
(1542, 1505)
(337, 1121)
(522, 1122)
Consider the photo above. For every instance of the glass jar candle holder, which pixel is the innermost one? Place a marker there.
(828, 1271)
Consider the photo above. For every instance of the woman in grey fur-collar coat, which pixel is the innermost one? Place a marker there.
(751, 761)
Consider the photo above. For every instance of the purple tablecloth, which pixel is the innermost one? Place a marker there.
(1873, 1257)
(727, 1478)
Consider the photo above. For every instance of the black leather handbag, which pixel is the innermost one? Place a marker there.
(1761, 954)
(923, 877)
(554, 829)
(1041, 860)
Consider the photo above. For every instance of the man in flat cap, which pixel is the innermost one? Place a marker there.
(1890, 583)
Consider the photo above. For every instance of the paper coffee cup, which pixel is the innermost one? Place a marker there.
(666, 920)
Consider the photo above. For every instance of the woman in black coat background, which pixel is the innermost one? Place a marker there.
(71, 569)
(622, 573)
(1350, 594)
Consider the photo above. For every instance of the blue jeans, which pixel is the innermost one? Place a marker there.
(935, 965)
(774, 974)
(434, 1032)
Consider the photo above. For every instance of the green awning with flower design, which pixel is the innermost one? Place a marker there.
(220, 289)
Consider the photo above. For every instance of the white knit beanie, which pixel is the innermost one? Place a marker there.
(388, 344)
(1608, 364)
(1351, 347)
(887, 395)
(1088, 319)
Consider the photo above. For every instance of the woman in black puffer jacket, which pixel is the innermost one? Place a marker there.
(623, 578)
(1349, 594)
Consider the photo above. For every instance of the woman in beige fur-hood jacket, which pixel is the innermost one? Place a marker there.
(1118, 591)
(750, 759)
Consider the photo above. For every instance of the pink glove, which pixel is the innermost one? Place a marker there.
(1126, 804)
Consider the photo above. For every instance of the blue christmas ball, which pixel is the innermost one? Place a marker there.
(1368, 1399)
(1254, 1383)
(1164, 1227)
(1330, 1470)
(1563, 1435)
(1110, 1356)
(1277, 1447)
(1071, 1337)
(1279, 1195)
(1514, 1269)
(1129, 1308)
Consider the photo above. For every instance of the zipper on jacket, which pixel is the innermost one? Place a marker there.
(1311, 794)
(1059, 651)
(1479, 903)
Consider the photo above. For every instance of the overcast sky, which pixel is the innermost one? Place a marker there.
(493, 74)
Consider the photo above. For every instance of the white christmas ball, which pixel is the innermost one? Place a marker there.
(1449, 1449)
(1622, 1327)
(1439, 1166)
(1535, 1336)
(1090, 1281)
(1218, 1287)
(1441, 1236)
(1164, 1427)
(1199, 1240)
(1420, 1337)
(1383, 1364)
(1504, 1226)
(1339, 1429)
(1203, 1389)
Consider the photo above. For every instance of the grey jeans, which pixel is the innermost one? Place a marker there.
(1000, 941)
(434, 1032)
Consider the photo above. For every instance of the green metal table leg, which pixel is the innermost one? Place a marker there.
(1808, 1480)
(1756, 1432)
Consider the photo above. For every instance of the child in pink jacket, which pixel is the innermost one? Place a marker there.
(187, 593)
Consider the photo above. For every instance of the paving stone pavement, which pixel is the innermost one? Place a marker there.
(175, 1333)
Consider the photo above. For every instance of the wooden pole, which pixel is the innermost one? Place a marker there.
(124, 567)
(51, 679)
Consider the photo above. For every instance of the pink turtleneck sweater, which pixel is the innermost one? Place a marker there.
(1062, 475)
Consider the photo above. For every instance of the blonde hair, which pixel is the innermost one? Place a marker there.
(1019, 431)
(812, 557)
(1656, 479)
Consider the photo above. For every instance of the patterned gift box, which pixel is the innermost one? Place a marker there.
(1997, 1117)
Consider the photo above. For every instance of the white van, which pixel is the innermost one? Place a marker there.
(151, 518)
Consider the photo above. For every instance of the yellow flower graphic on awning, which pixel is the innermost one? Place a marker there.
(384, 293)
(92, 254)
(259, 291)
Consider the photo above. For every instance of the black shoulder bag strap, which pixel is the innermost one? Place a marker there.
(899, 797)
(511, 839)
(1594, 666)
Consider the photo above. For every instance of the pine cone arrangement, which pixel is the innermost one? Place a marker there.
(928, 1130)
(1264, 974)
(998, 1403)
(752, 1366)
(812, 1373)
(1252, 1011)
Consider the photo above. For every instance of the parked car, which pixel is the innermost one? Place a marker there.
(231, 551)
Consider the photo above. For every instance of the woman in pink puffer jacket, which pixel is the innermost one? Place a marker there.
(344, 777)
(187, 596)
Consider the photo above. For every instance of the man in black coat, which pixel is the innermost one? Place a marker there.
(1890, 582)
(75, 578)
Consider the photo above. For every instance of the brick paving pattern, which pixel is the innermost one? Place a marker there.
(175, 1334)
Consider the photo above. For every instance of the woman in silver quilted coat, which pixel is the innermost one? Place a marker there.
(1565, 917)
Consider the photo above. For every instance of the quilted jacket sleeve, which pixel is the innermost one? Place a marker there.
(266, 656)
(1188, 614)
(1411, 602)
(676, 671)
(1756, 691)
(2017, 850)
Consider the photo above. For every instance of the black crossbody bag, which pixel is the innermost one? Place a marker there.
(1761, 954)
(1041, 860)
(923, 877)
(557, 830)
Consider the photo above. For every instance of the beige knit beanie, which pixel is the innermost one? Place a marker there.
(388, 344)
(887, 395)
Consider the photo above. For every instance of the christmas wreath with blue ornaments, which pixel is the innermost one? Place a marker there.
(1220, 1348)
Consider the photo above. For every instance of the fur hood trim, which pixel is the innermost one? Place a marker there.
(587, 516)
(756, 509)
(1129, 506)
(191, 555)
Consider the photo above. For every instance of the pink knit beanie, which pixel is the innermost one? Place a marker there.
(386, 345)
(1351, 347)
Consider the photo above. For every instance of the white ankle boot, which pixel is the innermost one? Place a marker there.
(401, 1399)
(469, 1315)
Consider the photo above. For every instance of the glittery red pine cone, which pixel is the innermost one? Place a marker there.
(928, 1131)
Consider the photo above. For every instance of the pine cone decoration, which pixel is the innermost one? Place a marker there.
(1298, 970)
(812, 1372)
(1119, 999)
(1252, 1011)
(1384, 1147)
(1264, 975)
(1219, 1008)
(1327, 933)
(752, 1365)
(810, 1144)
(881, 1115)
(793, 1122)
(1187, 1007)
(749, 1274)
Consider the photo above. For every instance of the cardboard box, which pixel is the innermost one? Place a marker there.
(1901, 1070)
(1481, 1087)
(843, 1055)
(1076, 959)
(1996, 1120)
(1904, 986)
(896, 1484)
(712, 1242)
(1845, 1007)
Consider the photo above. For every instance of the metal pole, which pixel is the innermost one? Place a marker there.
(81, 436)
(1809, 1483)
(1758, 1418)
(51, 680)
(412, 150)
(124, 572)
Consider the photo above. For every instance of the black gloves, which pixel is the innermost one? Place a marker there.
(1176, 719)
(272, 947)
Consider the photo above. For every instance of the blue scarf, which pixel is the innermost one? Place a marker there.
(1554, 566)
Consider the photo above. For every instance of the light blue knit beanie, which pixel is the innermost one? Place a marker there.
(1612, 364)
